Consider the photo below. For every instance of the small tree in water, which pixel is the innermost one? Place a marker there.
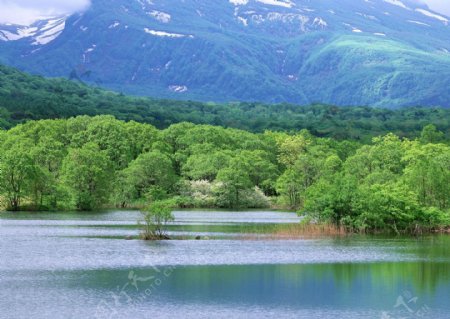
(156, 218)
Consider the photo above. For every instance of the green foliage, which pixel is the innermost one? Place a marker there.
(17, 170)
(86, 172)
(205, 166)
(290, 188)
(331, 200)
(306, 160)
(427, 172)
(386, 206)
(392, 184)
(430, 134)
(234, 179)
(156, 218)
(151, 175)
(24, 97)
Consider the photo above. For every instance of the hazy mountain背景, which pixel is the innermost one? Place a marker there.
(386, 53)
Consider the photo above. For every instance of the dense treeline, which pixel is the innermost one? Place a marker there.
(24, 97)
(87, 163)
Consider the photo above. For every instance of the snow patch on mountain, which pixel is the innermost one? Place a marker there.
(353, 28)
(301, 22)
(8, 36)
(243, 21)
(280, 3)
(87, 51)
(166, 34)
(397, 3)
(160, 16)
(92, 48)
(287, 17)
(433, 15)
(114, 25)
(239, 2)
(419, 23)
(41, 32)
(50, 32)
(320, 22)
(178, 88)
(20, 33)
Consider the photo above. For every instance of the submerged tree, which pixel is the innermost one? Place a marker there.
(156, 218)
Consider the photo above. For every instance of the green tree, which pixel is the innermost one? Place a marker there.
(156, 218)
(428, 173)
(262, 172)
(111, 136)
(314, 162)
(17, 170)
(289, 187)
(331, 199)
(234, 180)
(291, 147)
(141, 137)
(49, 154)
(430, 134)
(87, 174)
(150, 172)
(385, 155)
(390, 206)
(205, 166)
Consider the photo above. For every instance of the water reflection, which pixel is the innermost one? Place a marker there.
(53, 268)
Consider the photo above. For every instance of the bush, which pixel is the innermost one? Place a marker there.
(255, 198)
(200, 194)
(156, 218)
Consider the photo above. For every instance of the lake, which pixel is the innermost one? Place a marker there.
(79, 265)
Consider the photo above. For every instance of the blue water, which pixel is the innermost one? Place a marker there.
(68, 265)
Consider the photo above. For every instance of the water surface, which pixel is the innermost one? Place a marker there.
(71, 265)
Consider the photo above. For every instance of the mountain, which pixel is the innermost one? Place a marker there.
(387, 53)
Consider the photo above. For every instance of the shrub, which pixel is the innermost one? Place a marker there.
(156, 218)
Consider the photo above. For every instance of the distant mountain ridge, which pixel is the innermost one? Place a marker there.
(386, 53)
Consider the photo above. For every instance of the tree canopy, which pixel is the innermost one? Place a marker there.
(24, 97)
(86, 163)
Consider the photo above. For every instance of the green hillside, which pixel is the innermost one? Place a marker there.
(24, 97)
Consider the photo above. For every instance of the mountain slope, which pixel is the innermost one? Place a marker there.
(386, 53)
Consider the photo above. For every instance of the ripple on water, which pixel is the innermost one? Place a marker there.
(61, 267)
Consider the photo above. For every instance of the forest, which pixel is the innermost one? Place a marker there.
(392, 184)
(25, 97)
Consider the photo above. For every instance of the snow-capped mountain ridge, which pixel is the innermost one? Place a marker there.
(347, 52)
(40, 32)
(297, 12)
